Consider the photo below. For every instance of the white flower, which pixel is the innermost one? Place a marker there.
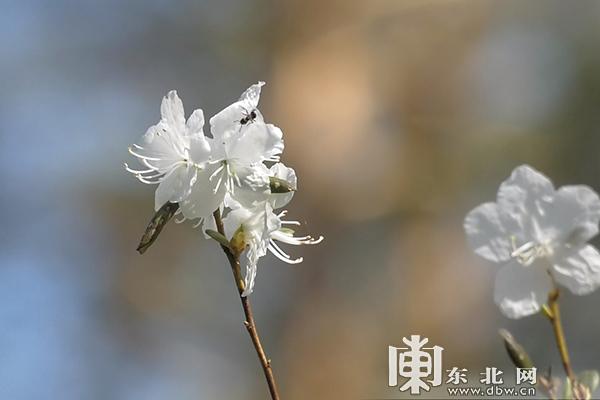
(225, 172)
(258, 188)
(258, 229)
(540, 235)
(173, 151)
(237, 155)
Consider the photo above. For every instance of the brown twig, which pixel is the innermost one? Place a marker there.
(249, 323)
(552, 311)
(559, 333)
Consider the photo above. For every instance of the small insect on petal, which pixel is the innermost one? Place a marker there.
(248, 118)
(156, 225)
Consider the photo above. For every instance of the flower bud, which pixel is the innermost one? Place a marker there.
(156, 224)
(516, 352)
(279, 185)
(238, 243)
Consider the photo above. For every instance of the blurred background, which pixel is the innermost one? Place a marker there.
(398, 116)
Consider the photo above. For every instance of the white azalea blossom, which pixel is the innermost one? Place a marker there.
(229, 172)
(258, 189)
(539, 235)
(173, 152)
(237, 155)
(259, 229)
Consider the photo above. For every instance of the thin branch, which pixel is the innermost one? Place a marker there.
(559, 334)
(249, 323)
(552, 311)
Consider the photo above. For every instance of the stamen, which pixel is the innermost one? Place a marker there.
(316, 241)
(529, 252)
(282, 256)
(144, 180)
(230, 185)
(135, 171)
(141, 156)
(283, 253)
(216, 189)
(297, 223)
(210, 178)
(237, 179)
(296, 241)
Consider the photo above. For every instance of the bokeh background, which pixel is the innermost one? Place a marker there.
(398, 116)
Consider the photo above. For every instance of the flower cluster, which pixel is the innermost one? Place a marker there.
(231, 171)
(540, 236)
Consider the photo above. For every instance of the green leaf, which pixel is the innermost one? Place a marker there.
(218, 237)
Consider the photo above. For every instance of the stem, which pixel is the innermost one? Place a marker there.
(553, 314)
(249, 323)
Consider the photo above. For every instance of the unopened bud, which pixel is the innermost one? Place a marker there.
(516, 352)
(279, 185)
(237, 244)
(156, 225)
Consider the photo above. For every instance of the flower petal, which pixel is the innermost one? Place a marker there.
(158, 150)
(530, 183)
(227, 123)
(195, 123)
(234, 219)
(521, 291)
(175, 187)
(486, 234)
(519, 200)
(199, 151)
(258, 143)
(202, 200)
(572, 215)
(580, 272)
(227, 120)
(254, 188)
(252, 94)
(171, 110)
(250, 277)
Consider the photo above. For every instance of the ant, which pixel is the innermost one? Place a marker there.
(248, 118)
